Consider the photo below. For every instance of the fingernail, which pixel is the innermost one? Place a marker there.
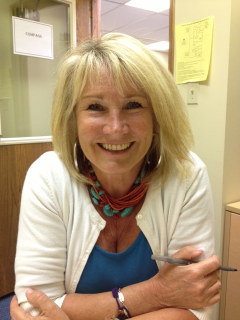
(200, 249)
(29, 291)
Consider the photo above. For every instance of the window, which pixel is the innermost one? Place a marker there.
(27, 83)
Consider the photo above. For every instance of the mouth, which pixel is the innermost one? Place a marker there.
(115, 147)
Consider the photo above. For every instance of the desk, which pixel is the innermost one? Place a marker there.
(230, 300)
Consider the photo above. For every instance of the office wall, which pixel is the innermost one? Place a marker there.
(163, 57)
(231, 187)
(216, 119)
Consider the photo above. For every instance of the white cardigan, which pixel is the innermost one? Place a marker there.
(59, 226)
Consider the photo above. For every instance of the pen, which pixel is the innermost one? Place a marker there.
(181, 262)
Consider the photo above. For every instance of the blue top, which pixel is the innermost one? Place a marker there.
(105, 270)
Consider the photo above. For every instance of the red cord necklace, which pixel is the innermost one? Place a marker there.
(121, 207)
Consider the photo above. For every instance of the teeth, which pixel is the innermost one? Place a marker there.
(115, 147)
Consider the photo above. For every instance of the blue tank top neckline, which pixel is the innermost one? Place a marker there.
(105, 270)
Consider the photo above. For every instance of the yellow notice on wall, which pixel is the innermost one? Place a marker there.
(193, 50)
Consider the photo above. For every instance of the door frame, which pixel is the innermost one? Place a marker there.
(88, 24)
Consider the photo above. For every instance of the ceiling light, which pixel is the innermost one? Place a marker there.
(150, 5)
(159, 46)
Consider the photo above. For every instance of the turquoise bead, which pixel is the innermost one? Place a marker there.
(94, 193)
(107, 212)
(143, 173)
(126, 212)
(97, 184)
(95, 201)
(107, 207)
(137, 180)
(101, 192)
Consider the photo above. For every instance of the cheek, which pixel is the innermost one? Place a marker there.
(84, 126)
(145, 128)
(88, 132)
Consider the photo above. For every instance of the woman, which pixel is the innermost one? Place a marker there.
(120, 186)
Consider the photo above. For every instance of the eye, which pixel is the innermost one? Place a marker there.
(95, 107)
(134, 105)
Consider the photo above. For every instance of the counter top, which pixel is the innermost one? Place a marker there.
(233, 207)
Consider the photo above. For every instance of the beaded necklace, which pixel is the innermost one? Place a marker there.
(121, 207)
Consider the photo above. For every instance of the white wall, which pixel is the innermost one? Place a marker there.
(163, 56)
(216, 119)
(231, 187)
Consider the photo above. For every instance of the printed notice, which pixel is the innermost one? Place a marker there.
(193, 50)
(31, 38)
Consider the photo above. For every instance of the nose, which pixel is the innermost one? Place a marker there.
(116, 123)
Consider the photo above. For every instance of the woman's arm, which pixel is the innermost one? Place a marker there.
(180, 287)
(50, 311)
(167, 314)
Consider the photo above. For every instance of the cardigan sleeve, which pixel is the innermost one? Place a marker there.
(190, 219)
(41, 246)
(189, 212)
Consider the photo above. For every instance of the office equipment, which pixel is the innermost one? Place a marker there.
(229, 304)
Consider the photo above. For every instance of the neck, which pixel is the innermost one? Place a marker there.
(117, 185)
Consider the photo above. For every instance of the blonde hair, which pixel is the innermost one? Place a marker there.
(127, 61)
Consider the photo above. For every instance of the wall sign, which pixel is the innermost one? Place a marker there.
(193, 50)
(31, 38)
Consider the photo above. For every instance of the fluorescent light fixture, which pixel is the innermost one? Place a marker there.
(159, 46)
(150, 5)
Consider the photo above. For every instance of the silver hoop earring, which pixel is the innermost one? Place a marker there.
(75, 155)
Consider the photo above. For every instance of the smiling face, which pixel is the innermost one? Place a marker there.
(114, 130)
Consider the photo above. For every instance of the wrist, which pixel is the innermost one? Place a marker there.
(143, 297)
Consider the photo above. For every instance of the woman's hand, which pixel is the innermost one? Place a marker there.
(189, 287)
(50, 311)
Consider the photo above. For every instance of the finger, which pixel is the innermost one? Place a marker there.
(17, 312)
(209, 265)
(39, 299)
(212, 278)
(49, 310)
(214, 288)
(214, 293)
(188, 253)
(206, 266)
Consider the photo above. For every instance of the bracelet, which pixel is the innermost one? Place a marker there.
(121, 299)
(123, 312)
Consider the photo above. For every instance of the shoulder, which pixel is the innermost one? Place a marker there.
(198, 170)
(196, 161)
(48, 162)
(49, 158)
(197, 174)
(49, 170)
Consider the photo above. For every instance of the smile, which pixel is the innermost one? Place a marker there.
(115, 147)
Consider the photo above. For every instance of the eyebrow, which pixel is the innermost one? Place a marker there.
(99, 96)
(93, 96)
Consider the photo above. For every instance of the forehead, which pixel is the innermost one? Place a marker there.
(104, 82)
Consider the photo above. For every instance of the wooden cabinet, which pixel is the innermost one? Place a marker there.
(14, 163)
(230, 299)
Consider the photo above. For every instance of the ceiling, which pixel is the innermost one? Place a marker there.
(147, 26)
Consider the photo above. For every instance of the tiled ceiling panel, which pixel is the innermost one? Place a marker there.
(156, 36)
(145, 25)
(118, 1)
(122, 16)
(107, 6)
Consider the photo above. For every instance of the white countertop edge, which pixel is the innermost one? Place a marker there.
(25, 140)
